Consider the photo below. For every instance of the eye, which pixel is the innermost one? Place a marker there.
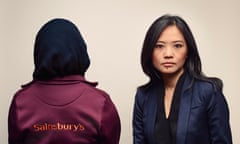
(178, 45)
(159, 46)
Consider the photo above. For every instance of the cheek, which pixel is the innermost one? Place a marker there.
(155, 58)
(183, 57)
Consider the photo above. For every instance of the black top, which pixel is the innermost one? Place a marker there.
(165, 128)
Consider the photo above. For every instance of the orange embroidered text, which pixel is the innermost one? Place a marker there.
(58, 127)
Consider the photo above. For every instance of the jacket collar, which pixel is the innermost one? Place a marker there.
(71, 79)
(184, 110)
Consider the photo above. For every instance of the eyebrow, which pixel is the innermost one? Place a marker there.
(181, 41)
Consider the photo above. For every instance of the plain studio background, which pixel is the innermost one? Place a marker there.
(114, 32)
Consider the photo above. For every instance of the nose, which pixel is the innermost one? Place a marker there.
(168, 53)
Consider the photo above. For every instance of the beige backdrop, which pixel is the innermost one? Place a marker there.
(114, 31)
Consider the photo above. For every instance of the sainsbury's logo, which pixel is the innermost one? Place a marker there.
(58, 127)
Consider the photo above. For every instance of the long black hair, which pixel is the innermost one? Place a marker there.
(192, 65)
(59, 50)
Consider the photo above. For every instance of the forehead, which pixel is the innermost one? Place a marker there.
(171, 33)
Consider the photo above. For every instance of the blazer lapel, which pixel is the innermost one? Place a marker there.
(184, 110)
(151, 112)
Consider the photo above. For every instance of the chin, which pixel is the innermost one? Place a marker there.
(172, 71)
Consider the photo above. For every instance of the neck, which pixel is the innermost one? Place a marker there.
(170, 81)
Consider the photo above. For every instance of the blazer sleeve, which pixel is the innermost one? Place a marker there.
(138, 127)
(218, 119)
(110, 123)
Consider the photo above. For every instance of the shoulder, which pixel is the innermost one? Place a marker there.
(98, 95)
(146, 92)
(23, 89)
(205, 91)
(21, 96)
(143, 90)
(210, 94)
(207, 86)
(92, 90)
(146, 88)
(204, 86)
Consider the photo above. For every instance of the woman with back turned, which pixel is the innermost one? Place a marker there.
(59, 106)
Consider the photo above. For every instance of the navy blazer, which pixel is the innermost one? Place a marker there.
(203, 115)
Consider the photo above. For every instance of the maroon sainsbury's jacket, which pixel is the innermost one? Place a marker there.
(67, 110)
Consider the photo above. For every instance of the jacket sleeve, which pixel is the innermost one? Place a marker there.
(218, 119)
(110, 128)
(138, 129)
(14, 132)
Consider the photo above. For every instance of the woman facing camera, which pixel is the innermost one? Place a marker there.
(179, 104)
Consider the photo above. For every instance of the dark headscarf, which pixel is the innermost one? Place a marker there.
(59, 51)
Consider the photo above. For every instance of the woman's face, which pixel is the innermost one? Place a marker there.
(170, 52)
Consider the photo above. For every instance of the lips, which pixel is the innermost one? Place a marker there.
(168, 64)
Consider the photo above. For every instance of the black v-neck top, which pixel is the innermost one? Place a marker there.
(165, 128)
